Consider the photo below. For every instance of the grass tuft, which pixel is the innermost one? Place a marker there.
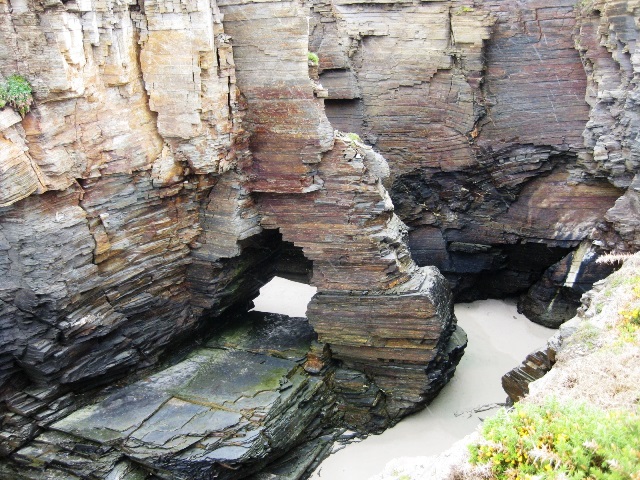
(313, 58)
(16, 92)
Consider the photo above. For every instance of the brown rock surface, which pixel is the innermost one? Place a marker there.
(145, 227)
(166, 135)
(97, 273)
(482, 123)
(290, 130)
(376, 309)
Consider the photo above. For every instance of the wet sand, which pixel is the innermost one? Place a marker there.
(499, 339)
(284, 297)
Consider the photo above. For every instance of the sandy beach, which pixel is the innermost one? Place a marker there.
(499, 339)
(285, 297)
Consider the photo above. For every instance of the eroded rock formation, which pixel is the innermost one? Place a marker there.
(225, 411)
(172, 144)
(136, 193)
(480, 109)
(379, 312)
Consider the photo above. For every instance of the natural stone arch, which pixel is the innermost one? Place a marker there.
(378, 311)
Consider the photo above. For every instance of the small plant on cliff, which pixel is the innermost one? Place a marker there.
(464, 9)
(354, 137)
(560, 441)
(16, 92)
(313, 58)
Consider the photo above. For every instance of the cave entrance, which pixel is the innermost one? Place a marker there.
(269, 311)
(233, 402)
(285, 284)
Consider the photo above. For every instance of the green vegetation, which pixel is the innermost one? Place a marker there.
(586, 334)
(401, 476)
(629, 323)
(16, 92)
(618, 281)
(464, 9)
(354, 137)
(313, 58)
(560, 441)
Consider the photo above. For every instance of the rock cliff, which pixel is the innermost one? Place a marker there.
(134, 198)
(498, 156)
(178, 154)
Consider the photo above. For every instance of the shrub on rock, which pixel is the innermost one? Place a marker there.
(16, 92)
(560, 440)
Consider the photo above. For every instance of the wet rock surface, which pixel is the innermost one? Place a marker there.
(225, 411)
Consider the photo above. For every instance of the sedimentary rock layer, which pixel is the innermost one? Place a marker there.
(482, 122)
(344, 220)
(135, 111)
(290, 130)
(376, 309)
(129, 222)
(225, 411)
(166, 135)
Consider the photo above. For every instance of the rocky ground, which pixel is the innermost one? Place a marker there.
(595, 359)
(227, 410)
(175, 149)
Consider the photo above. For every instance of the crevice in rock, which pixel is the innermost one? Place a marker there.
(345, 115)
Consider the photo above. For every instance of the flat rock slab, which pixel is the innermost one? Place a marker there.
(211, 391)
(116, 417)
(178, 425)
(232, 375)
(225, 407)
(271, 333)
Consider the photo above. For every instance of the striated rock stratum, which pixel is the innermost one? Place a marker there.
(179, 154)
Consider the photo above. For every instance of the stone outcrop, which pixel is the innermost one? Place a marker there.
(606, 36)
(173, 146)
(377, 310)
(290, 130)
(136, 111)
(482, 123)
(361, 249)
(134, 196)
(592, 359)
(225, 411)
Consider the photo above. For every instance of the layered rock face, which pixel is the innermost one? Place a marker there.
(480, 109)
(223, 412)
(606, 36)
(344, 223)
(171, 142)
(136, 120)
(378, 311)
(132, 204)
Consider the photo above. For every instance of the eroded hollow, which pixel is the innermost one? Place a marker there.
(345, 115)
